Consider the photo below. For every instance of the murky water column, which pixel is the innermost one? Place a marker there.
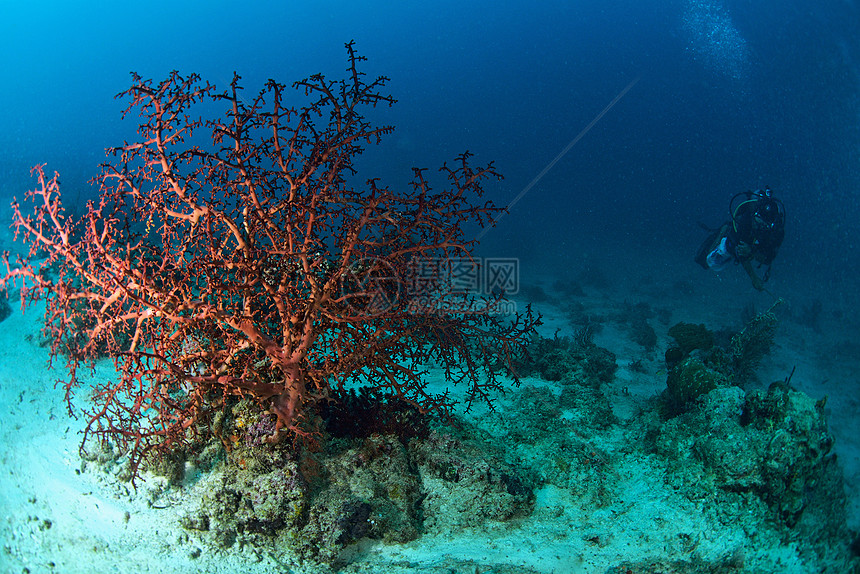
(715, 41)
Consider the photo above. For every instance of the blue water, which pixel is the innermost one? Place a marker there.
(731, 95)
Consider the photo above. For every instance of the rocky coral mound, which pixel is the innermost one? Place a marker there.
(314, 505)
(769, 452)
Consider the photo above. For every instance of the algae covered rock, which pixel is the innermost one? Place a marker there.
(774, 445)
(690, 337)
(368, 490)
(313, 505)
(797, 445)
(562, 358)
(465, 483)
(689, 380)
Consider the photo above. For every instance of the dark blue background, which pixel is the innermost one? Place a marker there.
(732, 95)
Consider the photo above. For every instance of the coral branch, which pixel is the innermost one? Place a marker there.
(252, 266)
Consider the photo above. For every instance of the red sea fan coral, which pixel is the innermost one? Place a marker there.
(249, 264)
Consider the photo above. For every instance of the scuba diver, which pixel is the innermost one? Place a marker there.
(754, 233)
